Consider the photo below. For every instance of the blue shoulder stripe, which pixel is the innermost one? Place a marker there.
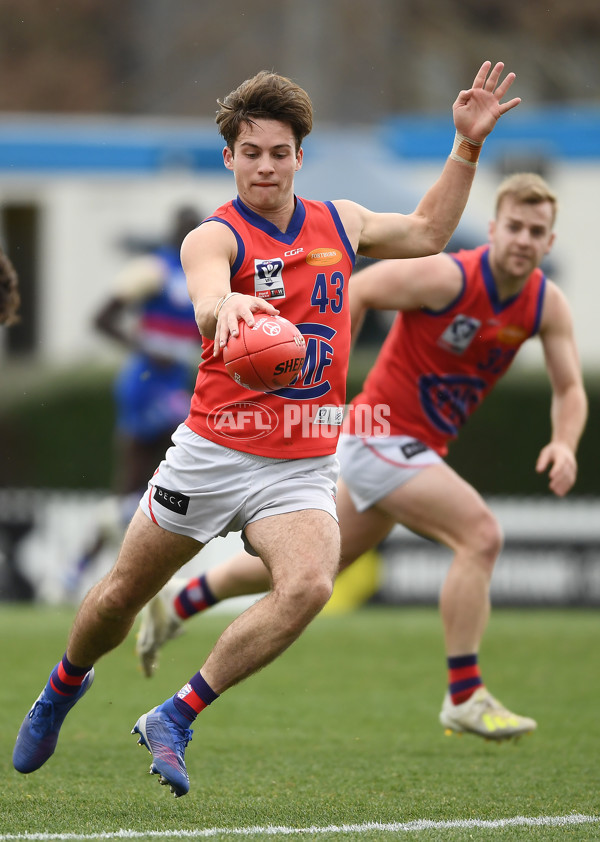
(341, 231)
(241, 249)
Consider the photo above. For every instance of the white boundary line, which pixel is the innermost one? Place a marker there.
(274, 830)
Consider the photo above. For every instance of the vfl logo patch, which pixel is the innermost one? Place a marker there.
(413, 448)
(268, 280)
(173, 500)
(459, 334)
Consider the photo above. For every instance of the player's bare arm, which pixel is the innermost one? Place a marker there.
(428, 229)
(569, 401)
(207, 255)
(433, 281)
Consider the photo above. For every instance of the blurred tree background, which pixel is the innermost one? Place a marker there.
(58, 433)
(360, 59)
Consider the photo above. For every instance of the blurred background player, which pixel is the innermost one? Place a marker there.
(10, 300)
(462, 319)
(150, 314)
(13, 585)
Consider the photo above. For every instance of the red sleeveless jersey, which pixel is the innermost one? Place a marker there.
(303, 272)
(436, 367)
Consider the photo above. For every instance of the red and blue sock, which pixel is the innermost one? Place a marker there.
(65, 680)
(464, 677)
(195, 597)
(185, 705)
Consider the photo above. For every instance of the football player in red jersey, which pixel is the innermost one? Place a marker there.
(462, 319)
(266, 247)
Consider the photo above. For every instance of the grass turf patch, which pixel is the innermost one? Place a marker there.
(342, 729)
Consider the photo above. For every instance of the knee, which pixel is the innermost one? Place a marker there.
(307, 594)
(114, 603)
(320, 589)
(486, 539)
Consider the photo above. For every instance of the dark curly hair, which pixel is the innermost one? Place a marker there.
(10, 299)
(267, 96)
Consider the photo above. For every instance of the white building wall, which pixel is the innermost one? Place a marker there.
(85, 218)
(83, 221)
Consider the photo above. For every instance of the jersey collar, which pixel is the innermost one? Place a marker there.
(258, 221)
(490, 285)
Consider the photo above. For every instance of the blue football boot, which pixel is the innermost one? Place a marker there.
(39, 731)
(166, 741)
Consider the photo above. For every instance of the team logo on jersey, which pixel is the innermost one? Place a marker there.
(512, 334)
(312, 383)
(459, 334)
(448, 400)
(268, 280)
(324, 257)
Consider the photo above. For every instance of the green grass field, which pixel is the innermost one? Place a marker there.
(340, 732)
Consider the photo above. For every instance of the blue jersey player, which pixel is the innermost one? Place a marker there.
(150, 314)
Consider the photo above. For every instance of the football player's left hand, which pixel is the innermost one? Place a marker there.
(563, 467)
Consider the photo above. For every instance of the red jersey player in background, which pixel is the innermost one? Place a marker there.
(266, 246)
(463, 318)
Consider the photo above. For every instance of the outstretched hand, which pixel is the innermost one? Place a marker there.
(477, 110)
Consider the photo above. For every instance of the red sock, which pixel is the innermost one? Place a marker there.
(195, 597)
(193, 697)
(464, 677)
(65, 679)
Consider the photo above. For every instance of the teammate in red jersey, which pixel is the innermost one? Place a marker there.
(462, 319)
(274, 479)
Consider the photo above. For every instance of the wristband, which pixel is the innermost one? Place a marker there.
(466, 150)
(222, 301)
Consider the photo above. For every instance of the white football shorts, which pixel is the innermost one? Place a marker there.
(373, 467)
(203, 489)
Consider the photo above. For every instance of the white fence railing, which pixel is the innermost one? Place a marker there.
(43, 533)
(551, 554)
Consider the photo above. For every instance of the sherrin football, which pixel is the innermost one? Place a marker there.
(266, 356)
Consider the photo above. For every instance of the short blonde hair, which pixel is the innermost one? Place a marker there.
(528, 188)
